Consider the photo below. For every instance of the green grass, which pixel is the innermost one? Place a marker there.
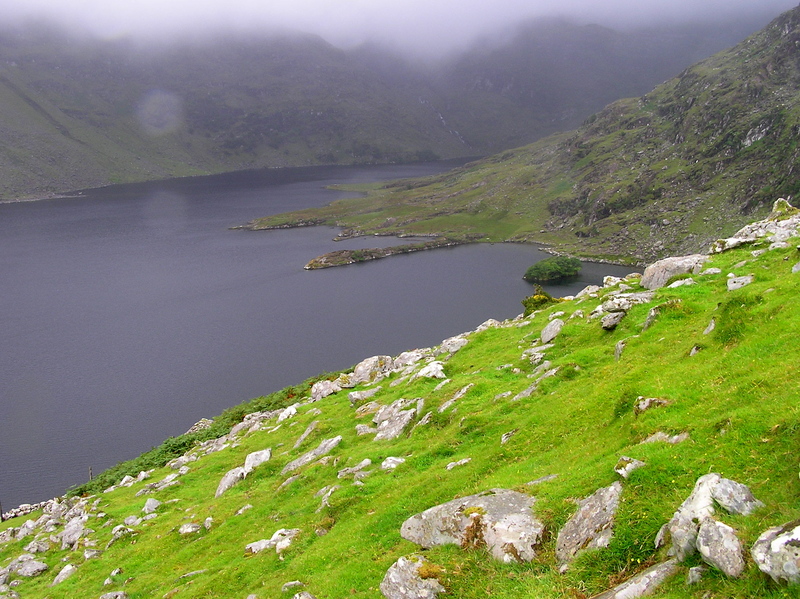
(738, 398)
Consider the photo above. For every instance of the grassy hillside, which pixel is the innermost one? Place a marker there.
(663, 174)
(733, 390)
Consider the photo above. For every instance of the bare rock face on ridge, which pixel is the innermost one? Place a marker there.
(500, 520)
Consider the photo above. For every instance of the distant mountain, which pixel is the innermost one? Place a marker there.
(665, 173)
(77, 113)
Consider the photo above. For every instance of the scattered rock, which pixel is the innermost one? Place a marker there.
(391, 463)
(31, 568)
(642, 584)
(65, 573)
(322, 389)
(626, 465)
(657, 274)
(151, 505)
(552, 330)
(453, 344)
(346, 472)
(458, 395)
(507, 436)
(114, 595)
(735, 283)
(662, 437)
(281, 540)
(610, 321)
(365, 429)
(371, 370)
(392, 420)
(403, 580)
(323, 448)
(294, 584)
(720, 547)
(190, 528)
(591, 527)
(309, 429)
(230, 478)
(500, 520)
(777, 552)
(303, 595)
(463, 462)
(681, 283)
(695, 575)
(357, 396)
(434, 370)
(646, 403)
(542, 479)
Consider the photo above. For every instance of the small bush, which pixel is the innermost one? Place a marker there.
(537, 301)
(553, 269)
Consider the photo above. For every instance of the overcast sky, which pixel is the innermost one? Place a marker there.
(438, 25)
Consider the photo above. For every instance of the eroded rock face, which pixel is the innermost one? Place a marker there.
(642, 584)
(720, 547)
(684, 526)
(592, 525)
(777, 552)
(657, 274)
(552, 330)
(500, 520)
(324, 447)
(403, 580)
(392, 420)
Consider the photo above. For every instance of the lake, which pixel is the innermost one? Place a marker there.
(130, 312)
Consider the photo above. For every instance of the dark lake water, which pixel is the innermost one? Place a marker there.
(129, 313)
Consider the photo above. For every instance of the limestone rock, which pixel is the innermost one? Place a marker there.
(189, 528)
(591, 527)
(255, 459)
(281, 540)
(610, 321)
(392, 420)
(358, 396)
(294, 584)
(657, 274)
(151, 505)
(303, 595)
(684, 525)
(626, 465)
(403, 580)
(31, 568)
(458, 463)
(322, 389)
(642, 584)
(65, 573)
(777, 552)
(323, 448)
(371, 370)
(735, 283)
(552, 330)
(720, 547)
(646, 403)
(230, 478)
(345, 472)
(114, 595)
(500, 520)
(72, 533)
(434, 370)
(365, 429)
(391, 463)
(453, 344)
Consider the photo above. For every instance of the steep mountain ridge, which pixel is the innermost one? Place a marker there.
(666, 173)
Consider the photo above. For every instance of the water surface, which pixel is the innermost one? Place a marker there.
(129, 313)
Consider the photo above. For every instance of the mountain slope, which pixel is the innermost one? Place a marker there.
(511, 411)
(662, 174)
(81, 112)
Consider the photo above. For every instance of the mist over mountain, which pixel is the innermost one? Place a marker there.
(80, 111)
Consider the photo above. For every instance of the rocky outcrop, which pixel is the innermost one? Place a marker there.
(591, 527)
(777, 553)
(407, 578)
(280, 541)
(720, 547)
(500, 520)
(657, 274)
(642, 584)
(324, 447)
(233, 476)
(392, 420)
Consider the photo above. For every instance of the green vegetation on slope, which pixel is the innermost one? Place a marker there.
(736, 395)
(663, 174)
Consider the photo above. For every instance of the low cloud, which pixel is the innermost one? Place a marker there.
(418, 25)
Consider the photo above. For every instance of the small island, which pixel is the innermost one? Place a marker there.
(552, 269)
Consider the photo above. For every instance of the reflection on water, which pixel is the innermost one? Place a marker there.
(130, 313)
